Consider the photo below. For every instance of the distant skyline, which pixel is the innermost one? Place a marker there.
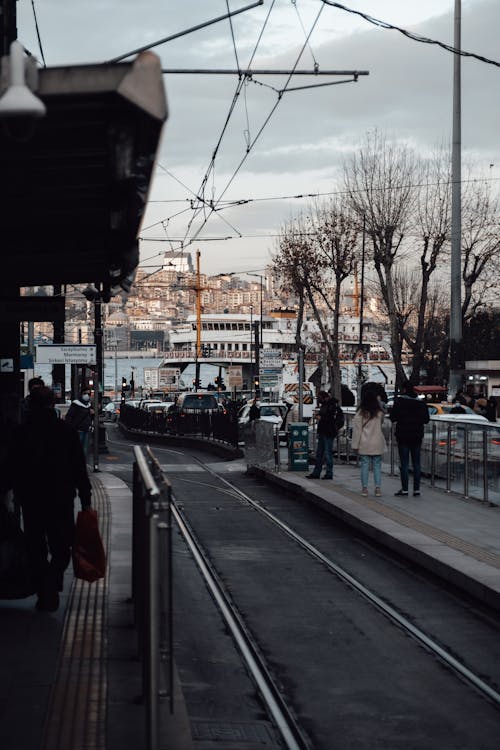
(408, 94)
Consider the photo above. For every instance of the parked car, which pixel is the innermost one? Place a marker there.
(193, 403)
(447, 410)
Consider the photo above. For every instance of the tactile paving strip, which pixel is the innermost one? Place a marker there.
(76, 718)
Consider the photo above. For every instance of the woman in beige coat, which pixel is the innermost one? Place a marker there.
(368, 439)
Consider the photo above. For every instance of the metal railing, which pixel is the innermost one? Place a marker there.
(214, 425)
(152, 587)
(457, 456)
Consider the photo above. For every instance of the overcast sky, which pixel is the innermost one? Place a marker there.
(408, 95)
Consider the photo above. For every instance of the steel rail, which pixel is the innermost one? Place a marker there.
(284, 720)
(373, 598)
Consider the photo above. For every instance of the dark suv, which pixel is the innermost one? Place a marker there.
(196, 402)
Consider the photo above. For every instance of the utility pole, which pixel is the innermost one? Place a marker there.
(198, 324)
(59, 371)
(456, 344)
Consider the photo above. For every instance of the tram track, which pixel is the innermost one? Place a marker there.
(239, 554)
(238, 608)
(390, 612)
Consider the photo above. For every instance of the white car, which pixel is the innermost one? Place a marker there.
(274, 412)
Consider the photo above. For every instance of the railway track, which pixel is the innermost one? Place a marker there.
(277, 670)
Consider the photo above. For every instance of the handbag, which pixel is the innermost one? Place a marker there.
(16, 580)
(89, 557)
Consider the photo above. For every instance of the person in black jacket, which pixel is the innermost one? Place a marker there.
(80, 416)
(331, 419)
(410, 415)
(45, 467)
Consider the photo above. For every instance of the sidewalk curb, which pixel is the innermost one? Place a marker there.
(476, 578)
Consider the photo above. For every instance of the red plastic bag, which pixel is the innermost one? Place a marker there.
(89, 558)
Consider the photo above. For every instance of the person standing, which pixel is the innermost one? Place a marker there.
(45, 467)
(368, 439)
(80, 416)
(331, 419)
(410, 415)
(254, 411)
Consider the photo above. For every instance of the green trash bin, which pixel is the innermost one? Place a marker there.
(298, 447)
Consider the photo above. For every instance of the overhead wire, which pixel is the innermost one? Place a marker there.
(263, 126)
(226, 123)
(410, 34)
(40, 46)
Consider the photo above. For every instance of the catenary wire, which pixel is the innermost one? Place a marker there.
(226, 123)
(40, 46)
(411, 34)
(263, 126)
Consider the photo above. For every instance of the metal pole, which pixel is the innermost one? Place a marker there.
(98, 377)
(486, 433)
(153, 654)
(301, 383)
(456, 347)
(257, 360)
(116, 370)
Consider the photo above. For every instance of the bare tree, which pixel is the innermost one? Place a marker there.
(379, 180)
(432, 231)
(292, 266)
(316, 253)
(335, 240)
(480, 245)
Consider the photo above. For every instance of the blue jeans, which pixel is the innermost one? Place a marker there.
(376, 463)
(324, 450)
(84, 439)
(405, 451)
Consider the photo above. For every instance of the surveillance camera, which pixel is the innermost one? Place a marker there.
(19, 101)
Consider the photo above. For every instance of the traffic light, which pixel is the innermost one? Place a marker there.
(196, 383)
(219, 383)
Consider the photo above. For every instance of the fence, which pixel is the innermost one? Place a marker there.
(216, 425)
(457, 456)
(152, 587)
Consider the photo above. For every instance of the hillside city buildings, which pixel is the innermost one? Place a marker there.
(163, 302)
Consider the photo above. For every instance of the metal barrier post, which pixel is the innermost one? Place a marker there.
(448, 458)
(466, 461)
(152, 655)
(433, 455)
(485, 466)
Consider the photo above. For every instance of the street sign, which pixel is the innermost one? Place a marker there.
(234, 376)
(161, 377)
(65, 354)
(270, 367)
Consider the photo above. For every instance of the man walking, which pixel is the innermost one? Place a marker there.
(331, 419)
(410, 415)
(45, 467)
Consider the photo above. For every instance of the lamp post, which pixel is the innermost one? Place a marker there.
(456, 344)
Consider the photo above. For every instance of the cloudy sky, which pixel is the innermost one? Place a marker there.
(408, 95)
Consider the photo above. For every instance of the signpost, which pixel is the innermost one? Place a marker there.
(270, 368)
(162, 377)
(66, 354)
